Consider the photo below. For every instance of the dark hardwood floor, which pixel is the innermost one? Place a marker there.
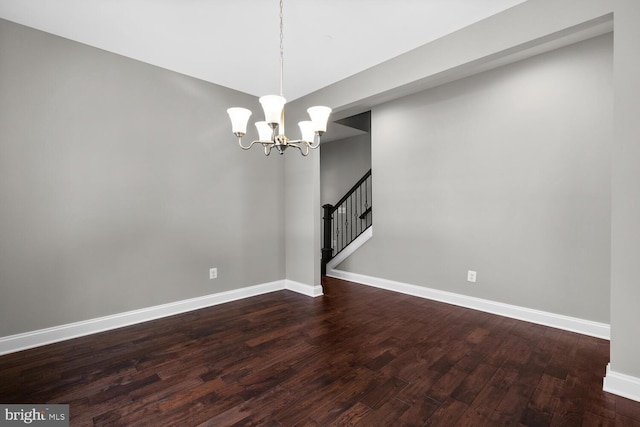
(356, 356)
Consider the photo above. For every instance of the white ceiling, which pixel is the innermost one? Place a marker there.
(236, 43)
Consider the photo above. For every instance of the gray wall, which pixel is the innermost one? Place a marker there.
(625, 243)
(302, 215)
(342, 164)
(506, 173)
(121, 184)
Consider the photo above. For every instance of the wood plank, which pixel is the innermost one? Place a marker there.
(447, 414)
(473, 384)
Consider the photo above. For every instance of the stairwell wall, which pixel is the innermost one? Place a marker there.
(342, 164)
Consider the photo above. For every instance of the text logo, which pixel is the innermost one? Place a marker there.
(37, 415)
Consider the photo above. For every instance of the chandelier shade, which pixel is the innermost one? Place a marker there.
(306, 130)
(271, 131)
(239, 118)
(265, 132)
(272, 106)
(319, 116)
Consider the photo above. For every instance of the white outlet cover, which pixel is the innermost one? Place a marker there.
(213, 273)
(471, 276)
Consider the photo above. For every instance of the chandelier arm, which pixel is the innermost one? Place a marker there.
(315, 144)
(247, 147)
(305, 151)
(267, 149)
(312, 145)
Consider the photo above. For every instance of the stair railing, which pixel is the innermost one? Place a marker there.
(347, 219)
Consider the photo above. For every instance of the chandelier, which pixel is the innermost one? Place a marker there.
(271, 130)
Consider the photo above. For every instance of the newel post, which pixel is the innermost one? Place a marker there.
(327, 250)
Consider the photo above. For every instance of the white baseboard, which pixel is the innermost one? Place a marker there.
(351, 248)
(573, 324)
(301, 288)
(621, 384)
(13, 343)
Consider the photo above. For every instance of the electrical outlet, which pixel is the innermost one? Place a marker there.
(213, 273)
(471, 276)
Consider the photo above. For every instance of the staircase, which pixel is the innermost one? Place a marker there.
(345, 221)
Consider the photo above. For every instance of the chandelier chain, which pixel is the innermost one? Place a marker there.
(281, 45)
